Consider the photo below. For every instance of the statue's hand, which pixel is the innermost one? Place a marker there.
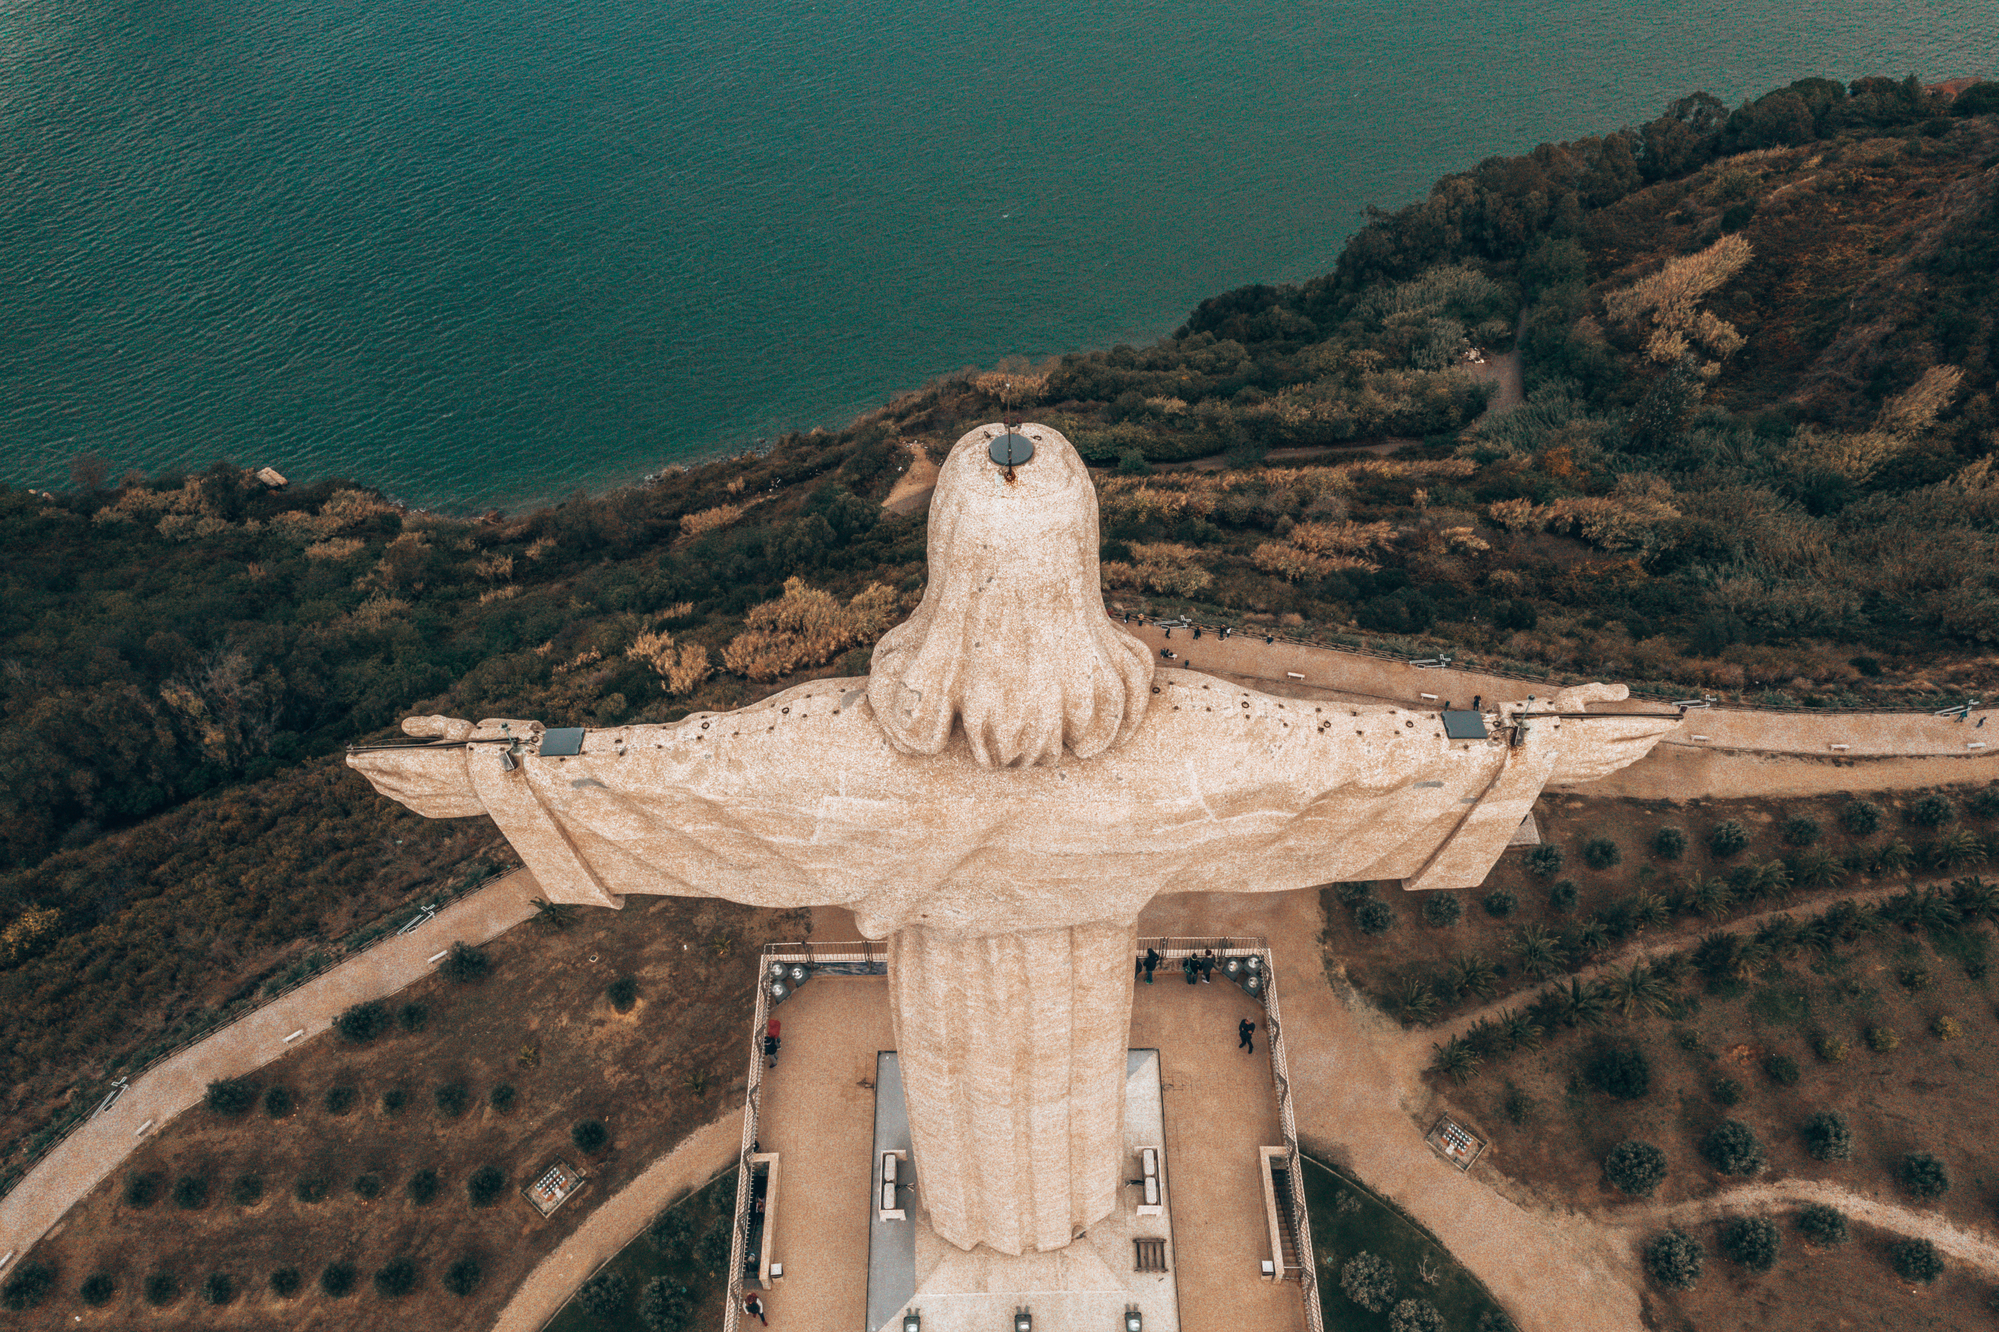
(444, 728)
(1573, 699)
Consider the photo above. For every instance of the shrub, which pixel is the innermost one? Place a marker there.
(466, 963)
(1733, 1148)
(1727, 838)
(672, 1231)
(1781, 1069)
(1374, 917)
(589, 1135)
(1882, 1039)
(1495, 1320)
(97, 1289)
(1860, 817)
(423, 1186)
(1415, 1316)
(277, 1102)
(453, 1099)
(162, 1288)
(1676, 1260)
(1635, 1167)
(336, 1279)
(623, 993)
(502, 1097)
(285, 1282)
(1828, 1137)
(1442, 910)
(1801, 830)
(1822, 1225)
(1600, 853)
(1751, 1241)
(1369, 1281)
(602, 1295)
(1916, 1260)
(339, 1100)
(191, 1191)
(363, 1022)
(1545, 861)
(1946, 1028)
(1924, 1176)
(1932, 811)
(664, 1307)
(312, 1188)
(712, 1251)
(1830, 1048)
(394, 1099)
(413, 1017)
(1622, 1071)
(486, 1185)
(368, 1185)
(28, 1287)
(1726, 1091)
(1562, 896)
(1669, 843)
(1984, 805)
(231, 1096)
(396, 1278)
(1501, 903)
(463, 1276)
(141, 1188)
(218, 1288)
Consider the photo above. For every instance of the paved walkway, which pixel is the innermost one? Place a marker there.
(80, 1161)
(618, 1220)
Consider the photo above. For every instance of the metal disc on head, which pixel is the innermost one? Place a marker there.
(1012, 449)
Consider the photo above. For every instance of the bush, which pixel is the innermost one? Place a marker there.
(162, 1288)
(277, 1102)
(1669, 843)
(1545, 861)
(191, 1191)
(1494, 1320)
(337, 1279)
(1781, 1069)
(672, 1231)
(589, 1135)
(396, 1278)
(1562, 896)
(312, 1188)
(413, 1017)
(1984, 805)
(466, 963)
(1727, 838)
(28, 1287)
(1828, 1137)
(1415, 1316)
(1369, 1281)
(1676, 1260)
(1860, 817)
(502, 1097)
(1600, 853)
(231, 1096)
(1733, 1148)
(623, 993)
(1442, 910)
(1726, 1091)
(1830, 1048)
(1932, 811)
(1500, 903)
(339, 1100)
(1751, 1241)
(394, 1099)
(1822, 1225)
(1924, 1176)
(423, 1187)
(453, 1099)
(368, 1186)
(1801, 830)
(218, 1288)
(1622, 1071)
(1374, 917)
(486, 1185)
(1635, 1167)
(141, 1188)
(1946, 1028)
(1916, 1260)
(97, 1289)
(285, 1282)
(664, 1307)
(363, 1022)
(1882, 1039)
(602, 1295)
(712, 1251)
(463, 1276)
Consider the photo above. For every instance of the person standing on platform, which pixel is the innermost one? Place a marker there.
(1208, 967)
(1245, 1036)
(1192, 968)
(756, 1306)
(1151, 961)
(771, 1041)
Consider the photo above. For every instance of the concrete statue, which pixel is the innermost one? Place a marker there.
(999, 798)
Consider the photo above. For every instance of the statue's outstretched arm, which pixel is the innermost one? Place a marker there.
(431, 779)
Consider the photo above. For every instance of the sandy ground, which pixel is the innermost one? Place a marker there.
(911, 492)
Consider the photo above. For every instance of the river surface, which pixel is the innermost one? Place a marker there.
(484, 254)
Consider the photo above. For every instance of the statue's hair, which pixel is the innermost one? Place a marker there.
(1011, 638)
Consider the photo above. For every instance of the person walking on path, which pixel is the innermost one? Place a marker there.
(1151, 961)
(1245, 1036)
(1208, 967)
(1477, 699)
(756, 1306)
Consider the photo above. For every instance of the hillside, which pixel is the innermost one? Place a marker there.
(1759, 351)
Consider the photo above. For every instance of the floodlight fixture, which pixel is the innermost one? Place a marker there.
(912, 1322)
(1132, 1322)
(1023, 1321)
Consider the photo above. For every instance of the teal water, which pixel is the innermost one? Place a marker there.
(484, 254)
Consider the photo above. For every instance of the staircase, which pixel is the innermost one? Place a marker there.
(1287, 1225)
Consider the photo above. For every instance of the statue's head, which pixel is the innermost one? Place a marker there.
(1011, 639)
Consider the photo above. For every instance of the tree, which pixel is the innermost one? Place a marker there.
(285, 1282)
(97, 1289)
(1442, 910)
(1801, 830)
(413, 1017)
(1622, 1071)
(463, 1276)
(423, 1186)
(1916, 1260)
(664, 1306)
(231, 1096)
(1536, 950)
(1415, 1316)
(602, 1295)
(277, 1102)
(1733, 1148)
(561, 915)
(368, 1186)
(1545, 861)
(623, 993)
(218, 1288)
(28, 1287)
(1454, 1058)
(1727, 838)
(141, 1188)
(1822, 1225)
(191, 1192)
(1600, 853)
(1495, 1320)
(1374, 916)
(502, 1097)
(337, 1279)
(339, 1100)
(396, 1278)
(589, 1135)
(1669, 843)
(712, 1251)
(1860, 817)
(1369, 1281)
(1932, 811)
(1562, 895)
(1675, 1259)
(452, 1099)
(1923, 1176)
(162, 1288)
(485, 1186)
(1635, 1167)
(363, 1022)
(466, 963)
(1781, 1069)
(672, 1231)
(1828, 1137)
(1639, 990)
(1751, 1241)
(312, 1188)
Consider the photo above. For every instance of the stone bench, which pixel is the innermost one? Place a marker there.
(1151, 1162)
(891, 1162)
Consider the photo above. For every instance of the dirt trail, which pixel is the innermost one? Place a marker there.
(1974, 1249)
(911, 492)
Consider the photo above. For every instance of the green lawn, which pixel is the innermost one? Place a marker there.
(706, 1210)
(1347, 1219)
